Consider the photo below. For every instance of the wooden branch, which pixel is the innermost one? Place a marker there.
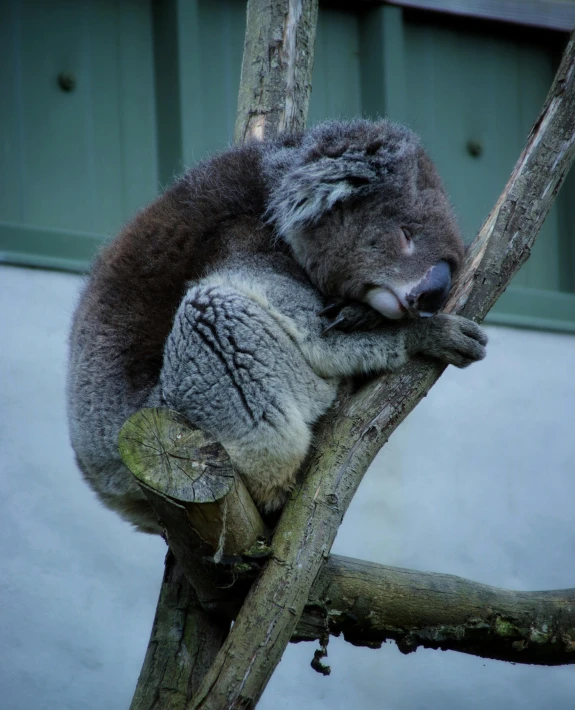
(183, 644)
(179, 462)
(276, 70)
(206, 511)
(370, 603)
(274, 96)
(349, 439)
(366, 602)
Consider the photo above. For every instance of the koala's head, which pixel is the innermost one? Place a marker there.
(366, 215)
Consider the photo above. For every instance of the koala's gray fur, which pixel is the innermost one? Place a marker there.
(211, 300)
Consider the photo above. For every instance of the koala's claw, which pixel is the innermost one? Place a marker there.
(334, 324)
(350, 316)
(454, 340)
(332, 309)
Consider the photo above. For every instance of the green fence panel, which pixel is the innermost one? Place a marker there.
(153, 88)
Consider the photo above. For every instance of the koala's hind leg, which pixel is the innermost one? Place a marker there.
(234, 372)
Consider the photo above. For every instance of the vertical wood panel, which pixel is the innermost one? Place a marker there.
(137, 105)
(210, 38)
(383, 63)
(11, 137)
(82, 160)
(57, 163)
(167, 85)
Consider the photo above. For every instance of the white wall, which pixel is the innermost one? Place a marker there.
(478, 482)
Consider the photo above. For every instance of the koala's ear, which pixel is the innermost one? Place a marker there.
(308, 191)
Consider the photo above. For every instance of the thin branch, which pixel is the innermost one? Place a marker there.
(349, 439)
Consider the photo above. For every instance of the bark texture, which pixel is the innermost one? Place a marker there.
(208, 516)
(370, 604)
(276, 69)
(183, 645)
(192, 471)
(348, 440)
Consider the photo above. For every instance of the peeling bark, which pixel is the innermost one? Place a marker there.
(276, 70)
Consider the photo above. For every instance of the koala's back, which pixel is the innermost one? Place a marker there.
(127, 308)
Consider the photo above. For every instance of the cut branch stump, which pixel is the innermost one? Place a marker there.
(205, 509)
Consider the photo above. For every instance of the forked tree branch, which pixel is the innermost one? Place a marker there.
(351, 436)
(369, 604)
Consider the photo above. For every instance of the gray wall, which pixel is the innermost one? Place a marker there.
(478, 482)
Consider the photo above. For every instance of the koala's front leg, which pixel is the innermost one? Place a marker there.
(451, 339)
(231, 369)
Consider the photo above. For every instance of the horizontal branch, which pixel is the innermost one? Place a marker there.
(370, 604)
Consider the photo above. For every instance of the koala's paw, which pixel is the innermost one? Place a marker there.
(452, 339)
(350, 316)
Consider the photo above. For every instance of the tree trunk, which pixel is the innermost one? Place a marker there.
(276, 70)
(183, 644)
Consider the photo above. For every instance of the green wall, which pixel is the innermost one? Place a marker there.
(155, 90)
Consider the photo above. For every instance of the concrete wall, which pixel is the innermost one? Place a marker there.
(478, 482)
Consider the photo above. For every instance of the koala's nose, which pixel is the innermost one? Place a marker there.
(431, 292)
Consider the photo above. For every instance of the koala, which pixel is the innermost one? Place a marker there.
(252, 288)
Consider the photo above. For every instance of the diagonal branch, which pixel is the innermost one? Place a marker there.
(349, 439)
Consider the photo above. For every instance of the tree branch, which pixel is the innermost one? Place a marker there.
(203, 505)
(274, 96)
(349, 439)
(370, 603)
(183, 644)
(276, 70)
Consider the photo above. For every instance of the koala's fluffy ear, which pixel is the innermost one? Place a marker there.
(306, 192)
(335, 162)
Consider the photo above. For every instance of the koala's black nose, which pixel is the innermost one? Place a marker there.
(431, 292)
